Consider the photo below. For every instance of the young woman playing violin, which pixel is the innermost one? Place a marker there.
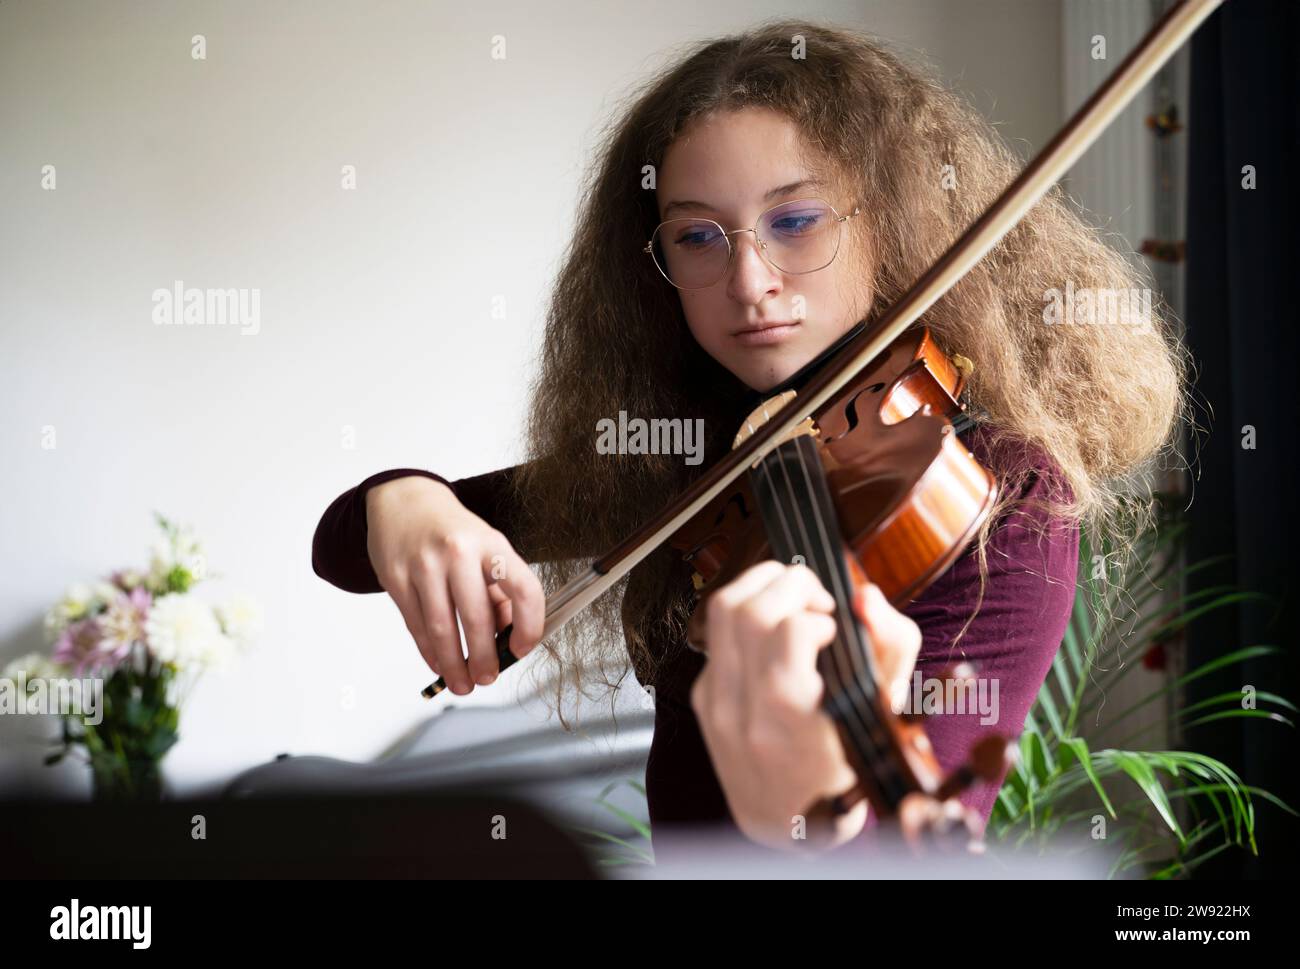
(759, 203)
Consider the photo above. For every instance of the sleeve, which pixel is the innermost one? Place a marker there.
(1011, 642)
(339, 554)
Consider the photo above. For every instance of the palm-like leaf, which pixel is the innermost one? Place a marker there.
(1060, 781)
(624, 851)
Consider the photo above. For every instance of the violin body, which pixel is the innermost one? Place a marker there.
(908, 494)
(875, 484)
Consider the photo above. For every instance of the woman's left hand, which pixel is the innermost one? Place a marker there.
(758, 698)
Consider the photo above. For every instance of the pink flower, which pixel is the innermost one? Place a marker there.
(104, 640)
(122, 623)
(79, 645)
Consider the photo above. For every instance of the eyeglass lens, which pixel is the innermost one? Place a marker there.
(800, 237)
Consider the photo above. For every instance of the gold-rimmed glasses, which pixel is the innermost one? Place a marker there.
(797, 237)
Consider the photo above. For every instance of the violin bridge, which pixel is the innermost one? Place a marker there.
(765, 412)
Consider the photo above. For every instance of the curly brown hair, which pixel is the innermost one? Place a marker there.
(1103, 402)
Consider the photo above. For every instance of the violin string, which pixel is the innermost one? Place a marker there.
(825, 566)
(858, 660)
(864, 734)
(841, 594)
(863, 691)
(854, 714)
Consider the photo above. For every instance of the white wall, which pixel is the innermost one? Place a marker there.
(375, 303)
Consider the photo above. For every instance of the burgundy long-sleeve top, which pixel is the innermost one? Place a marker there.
(1011, 642)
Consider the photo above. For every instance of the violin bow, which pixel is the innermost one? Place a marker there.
(1161, 42)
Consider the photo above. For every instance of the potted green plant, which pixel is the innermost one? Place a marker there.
(1132, 797)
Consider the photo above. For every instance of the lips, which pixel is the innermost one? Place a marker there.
(760, 327)
(766, 334)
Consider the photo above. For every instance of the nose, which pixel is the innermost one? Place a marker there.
(750, 276)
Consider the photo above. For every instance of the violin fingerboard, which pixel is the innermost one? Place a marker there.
(789, 485)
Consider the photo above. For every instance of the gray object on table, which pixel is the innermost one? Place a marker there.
(558, 771)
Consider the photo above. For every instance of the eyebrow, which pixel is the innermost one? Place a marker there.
(774, 193)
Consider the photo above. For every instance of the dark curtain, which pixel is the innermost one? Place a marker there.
(1241, 300)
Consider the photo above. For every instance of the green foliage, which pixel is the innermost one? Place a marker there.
(1060, 782)
(139, 723)
(609, 850)
(179, 579)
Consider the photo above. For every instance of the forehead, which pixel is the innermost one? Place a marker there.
(732, 159)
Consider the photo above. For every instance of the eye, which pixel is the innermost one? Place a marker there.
(697, 236)
(798, 223)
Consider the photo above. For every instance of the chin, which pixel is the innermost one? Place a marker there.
(759, 375)
(760, 369)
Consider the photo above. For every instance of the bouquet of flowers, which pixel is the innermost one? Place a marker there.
(141, 638)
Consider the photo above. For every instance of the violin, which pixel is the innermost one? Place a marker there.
(875, 484)
(861, 473)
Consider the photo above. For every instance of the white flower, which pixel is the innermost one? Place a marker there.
(75, 604)
(56, 620)
(102, 595)
(161, 561)
(183, 630)
(221, 654)
(77, 596)
(241, 618)
(164, 556)
(33, 666)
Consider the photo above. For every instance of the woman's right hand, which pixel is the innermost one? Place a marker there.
(437, 559)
